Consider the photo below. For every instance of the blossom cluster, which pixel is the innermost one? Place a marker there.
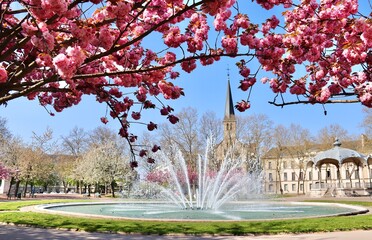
(62, 49)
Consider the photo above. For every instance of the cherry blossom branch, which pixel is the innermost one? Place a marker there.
(312, 103)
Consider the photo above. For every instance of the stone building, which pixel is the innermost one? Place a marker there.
(230, 140)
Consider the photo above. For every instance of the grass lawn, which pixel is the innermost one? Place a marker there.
(194, 228)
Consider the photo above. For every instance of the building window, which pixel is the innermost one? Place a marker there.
(357, 174)
(301, 176)
(293, 176)
(270, 187)
(301, 187)
(285, 177)
(270, 167)
(293, 187)
(284, 164)
(310, 185)
(270, 177)
(310, 176)
(286, 187)
(328, 174)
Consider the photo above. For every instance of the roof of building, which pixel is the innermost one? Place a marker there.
(339, 155)
(363, 145)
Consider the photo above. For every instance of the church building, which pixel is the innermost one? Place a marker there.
(230, 140)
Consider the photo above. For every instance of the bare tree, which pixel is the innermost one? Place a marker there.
(45, 141)
(5, 138)
(327, 135)
(281, 137)
(149, 161)
(211, 126)
(367, 122)
(4, 131)
(185, 134)
(76, 142)
(255, 131)
(101, 135)
(301, 142)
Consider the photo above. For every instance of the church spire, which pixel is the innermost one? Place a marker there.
(229, 107)
(229, 121)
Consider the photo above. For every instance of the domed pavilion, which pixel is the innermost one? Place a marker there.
(341, 172)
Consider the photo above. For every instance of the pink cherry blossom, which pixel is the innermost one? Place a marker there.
(4, 172)
(61, 51)
(173, 119)
(104, 120)
(3, 75)
(242, 106)
(136, 115)
(151, 126)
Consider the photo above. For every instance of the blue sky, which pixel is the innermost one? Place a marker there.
(205, 90)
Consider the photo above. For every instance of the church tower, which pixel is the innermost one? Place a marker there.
(229, 129)
(230, 141)
(229, 121)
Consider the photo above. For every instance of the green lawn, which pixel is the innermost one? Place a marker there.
(193, 228)
(16, 205)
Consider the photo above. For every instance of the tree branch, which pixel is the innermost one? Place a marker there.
(312, 102)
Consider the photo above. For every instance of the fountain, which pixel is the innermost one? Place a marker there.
(212, 188)
(212, 195)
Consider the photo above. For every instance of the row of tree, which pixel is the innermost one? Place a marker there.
(77, 162)
(256, 131)
(100, 159)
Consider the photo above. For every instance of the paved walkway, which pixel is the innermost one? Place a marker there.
(9, 232)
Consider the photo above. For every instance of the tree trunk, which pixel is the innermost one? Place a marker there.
(280, 182)
(45, 186)
(96, 188)
(112, 188)
(64, 186)
(16, 187)
(32, 186)
(10, 186)
(77, 190)
(25, 190)
(81, 187)
(88, 190)
(298, 183)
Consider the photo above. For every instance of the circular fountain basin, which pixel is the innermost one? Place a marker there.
(237, 211)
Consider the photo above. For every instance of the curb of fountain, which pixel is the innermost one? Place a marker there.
(44, 208)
